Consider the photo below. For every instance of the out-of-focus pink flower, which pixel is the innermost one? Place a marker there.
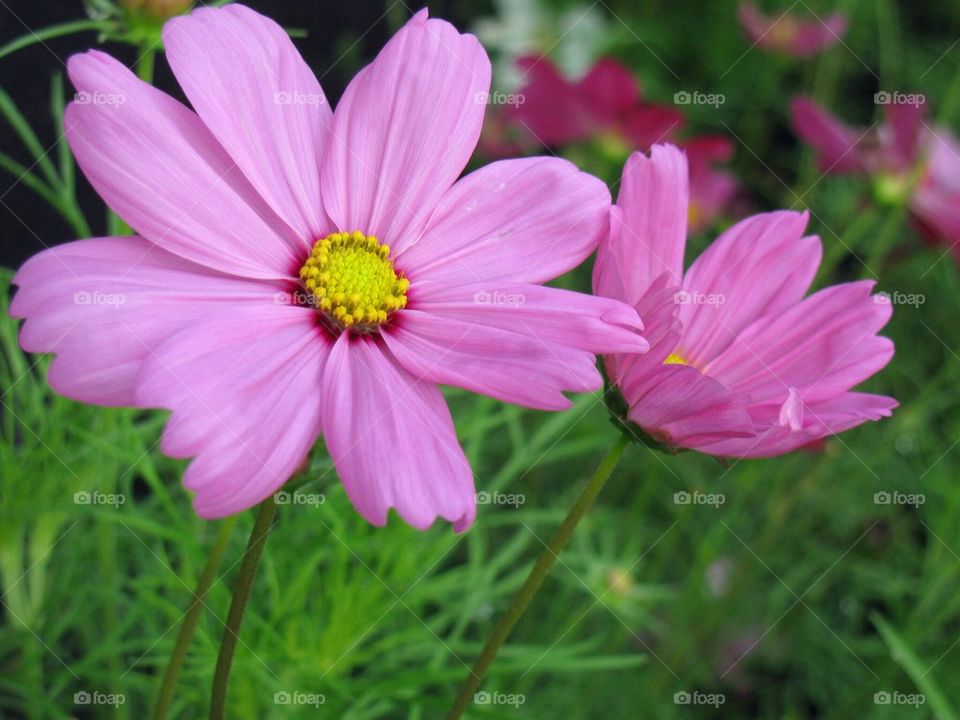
(789, 34)
(741, 363)
(713, 191)
(889, 155)
(500, 138)
(606, 103)
(300, 270)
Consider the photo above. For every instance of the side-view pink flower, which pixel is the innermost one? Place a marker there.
(741, 364)
(790, 33)
(300, 271)
(889, 155)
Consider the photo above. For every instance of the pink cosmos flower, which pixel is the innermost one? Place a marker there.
(606, 102)
(713, 191)
(789, 34)
(301, 271)
(741, 364)
(889, 155)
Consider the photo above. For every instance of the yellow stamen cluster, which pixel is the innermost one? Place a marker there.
(351, 279)
(674, 359)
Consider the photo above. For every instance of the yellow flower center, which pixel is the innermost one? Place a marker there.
(350, 278)
(674, 359)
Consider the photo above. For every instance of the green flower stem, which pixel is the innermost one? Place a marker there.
(536, 577)
(192, 617)
(241, 594)
(145, 63)
(51, 32)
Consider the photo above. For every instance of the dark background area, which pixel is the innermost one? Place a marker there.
(340, 38)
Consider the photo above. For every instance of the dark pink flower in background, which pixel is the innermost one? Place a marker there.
(713, 191)
(889, 155)
(741, 363)
(500, 138)
(606, 102)
(300, 271)
(791, 33)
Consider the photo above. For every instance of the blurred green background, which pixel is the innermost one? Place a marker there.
(797, 597)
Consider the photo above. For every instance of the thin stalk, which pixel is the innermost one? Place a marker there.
(38, 36)
(190, 620)
(536, 577)
(241, 594)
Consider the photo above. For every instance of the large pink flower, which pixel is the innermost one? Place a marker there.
(791, 34)
(741, 363)
(300, 271)
(889, 154)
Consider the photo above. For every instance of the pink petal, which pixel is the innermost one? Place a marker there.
(836, 143)
(404, 130)
(104, 304)
(787, 33)
(791, 412)
(937, 197)
(250, 86)
(662, 331)
(245, 386)
(821, 419)
(755, 24)
(822, 346)
(817, 34)
(517, 368)
(674, 403)
(679, 405)
(943, 159)
(158, 166)
(526, 221)
(936, 207)
(392, 439)
(650, 238)
(571, 319)
(762, 265)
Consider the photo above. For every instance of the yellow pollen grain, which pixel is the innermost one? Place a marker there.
(350, 277)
